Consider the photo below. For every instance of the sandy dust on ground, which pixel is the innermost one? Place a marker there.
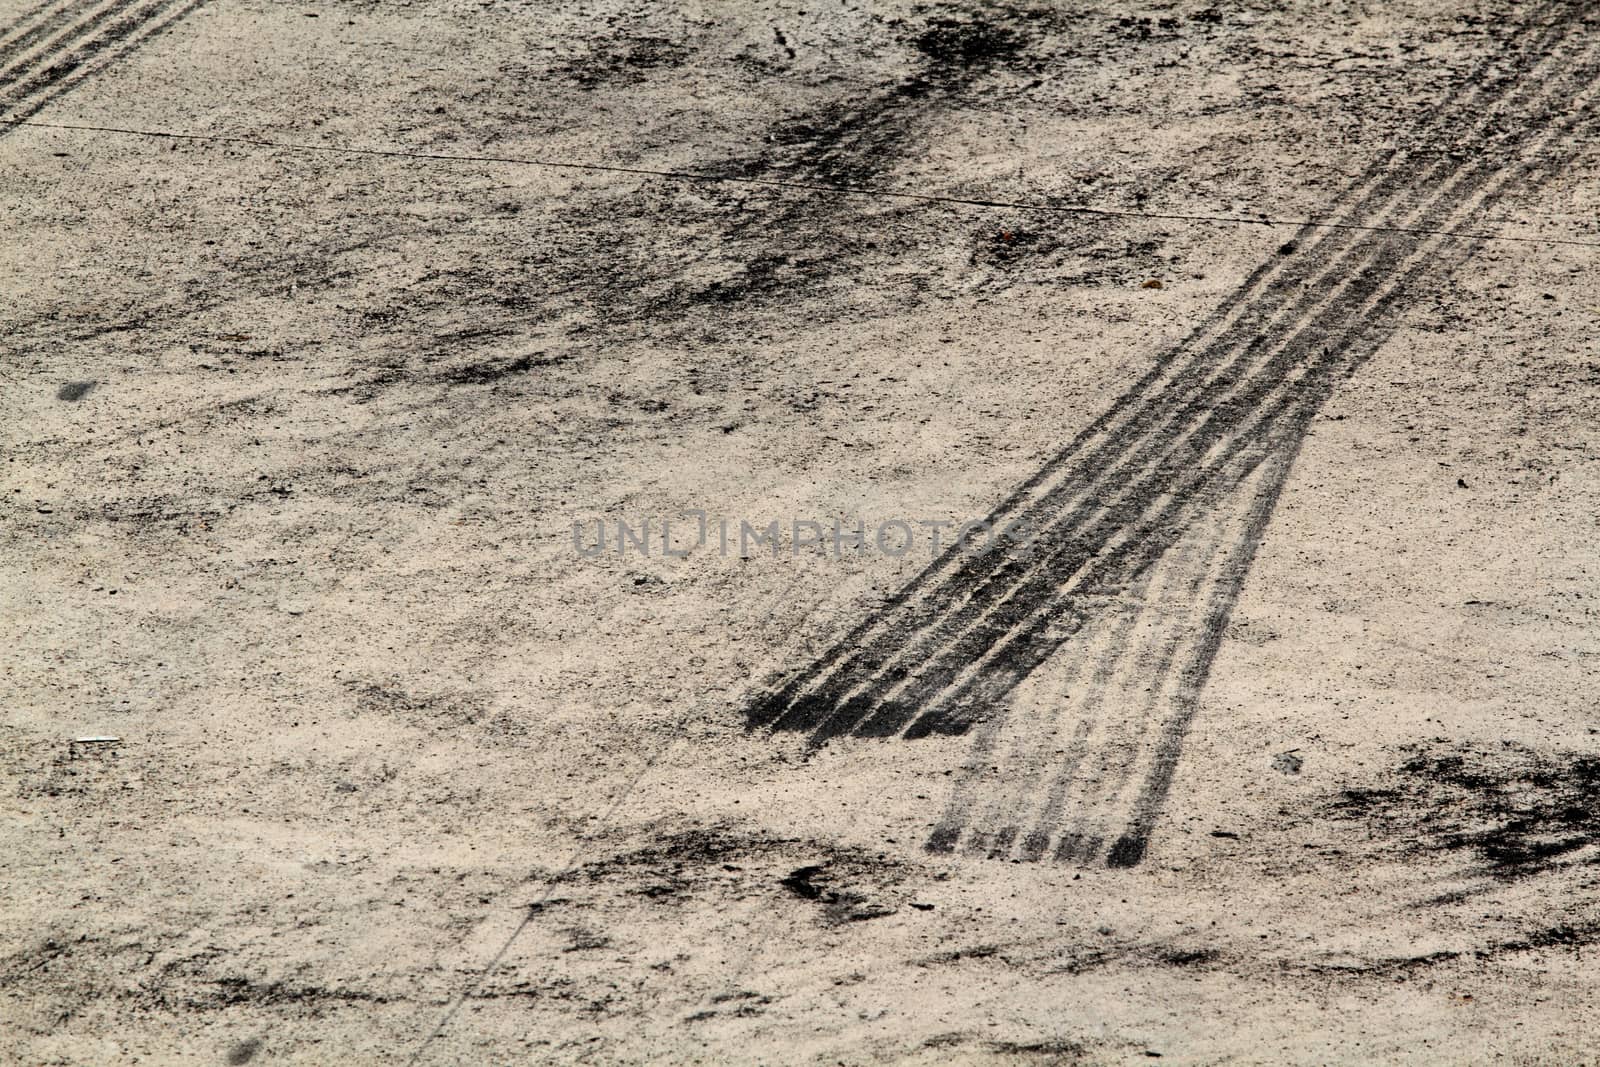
(326, 323)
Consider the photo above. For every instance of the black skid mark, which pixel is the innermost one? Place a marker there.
(81, 51)
(1174, 414)
(1251, 309)
(950, 648)
(1163, 435)
(1202, 645)
(34, 26)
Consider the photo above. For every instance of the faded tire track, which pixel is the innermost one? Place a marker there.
(55, 47)
(1197, 451)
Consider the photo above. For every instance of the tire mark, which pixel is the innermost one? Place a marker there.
(878, 688)
(91, 18)
(1267, 279)
(1279, 395)
(87, 49)
(981, 782)
(1137, 695)
(26, 35)
(987, 627)
(862, 684)
(21, 21)
(1125, 403)
(1021, 785)
(1096, 813)
(1363, 322)
(1140, 652)
(1129, 848)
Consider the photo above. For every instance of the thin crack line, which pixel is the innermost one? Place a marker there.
(626, 792)
(799, 186)
(537, 906)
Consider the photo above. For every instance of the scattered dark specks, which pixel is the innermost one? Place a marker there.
(487, 373)
(539, 906)
(1519, 811)
(583, 939)
(1287, 762)
(977, 952)
(950, 43)
(74, 390)
(839, 905)
(799, 883)
(244, 1051)
(1052, 1051)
